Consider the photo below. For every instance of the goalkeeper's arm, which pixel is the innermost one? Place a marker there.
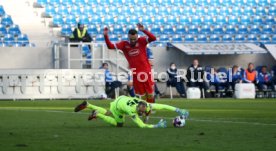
(141, 124)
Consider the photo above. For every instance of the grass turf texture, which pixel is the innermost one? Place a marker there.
(214, 124)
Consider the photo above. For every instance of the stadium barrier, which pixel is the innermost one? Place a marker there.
(52, 84)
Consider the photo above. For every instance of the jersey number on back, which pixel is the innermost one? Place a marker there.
(132, 102)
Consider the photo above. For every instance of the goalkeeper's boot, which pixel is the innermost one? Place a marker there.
(93, 115)
(183, 112)
(81, 106)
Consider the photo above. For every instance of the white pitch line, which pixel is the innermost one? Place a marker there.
(158, 117)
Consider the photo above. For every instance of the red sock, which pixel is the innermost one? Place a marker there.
(151, 100)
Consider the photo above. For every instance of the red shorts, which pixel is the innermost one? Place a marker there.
(143, 83)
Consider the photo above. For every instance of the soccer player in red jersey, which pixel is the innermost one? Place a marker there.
(135, 52)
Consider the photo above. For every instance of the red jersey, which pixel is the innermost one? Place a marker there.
(135, 55)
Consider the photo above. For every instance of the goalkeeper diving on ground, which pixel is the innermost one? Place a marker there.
(129, 106)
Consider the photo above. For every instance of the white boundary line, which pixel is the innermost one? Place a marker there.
(155, 117)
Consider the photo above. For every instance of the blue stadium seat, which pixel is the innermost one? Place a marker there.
(113, 10)
(99, 38)
(227, 38)
(62, 10)
(9, 40)
(196, 20)
(164, 38)
(257, 20)
(124, 37)
(66, 31)
(273, 40)
(215, 3)
(6, 20)
(193, 29)
(272, 10)
(58, 20)
(245, 20)
(138, 11)
(134, 20)
(2, 11)
(88, 10)
(118, 29)
(209, 20)
(184, 20)
(41, 3)
(203, 2)
(267, 29)
(178, 2)
(3, 30)
(121, 20)
(166, 2)
(125, 10)
(175, 11)
(159, 20)
(180, 29)
(230, 29)
(233, 20)
(54, 2)
(96, 19)
(80, 2)
(255, 29)
(146, 20)
(109, 20)
(84, 19)
(239, 3)
(214, 38)
(264, 38)
(205, 29)
(202, 38)
(2, 44)
(228, 3)
(236, 11)
(113, 38)
(218, 29)
(177, 38)
(224, 10)
(155, 29)
(92, 2)
(263, 2)
(190, 3)
(100, 10)
(252, 38)
(14, 30)
(260, 10)
(248, 10)
(221, 20)
(143, 2)
(189, 38)
(168, 29)
(92, 29)
(269, 19)
(240, 38)
(172, 20)
(200, 10)
(129, 2)
(163, 10)
(212, 10)
(242, 29)
(187, 11)
(71, 20)
(75, 10)
(67, 2)
(251, 2)
(273, 2)
(151, 11)
(23, 39)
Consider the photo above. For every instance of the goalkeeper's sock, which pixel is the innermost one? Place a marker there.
(94, 107)
(107, 119)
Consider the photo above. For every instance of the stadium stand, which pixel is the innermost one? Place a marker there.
(10, 33)
(239, 18)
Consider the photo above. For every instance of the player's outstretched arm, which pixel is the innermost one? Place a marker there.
(141, 124)
(151, 37)
(109, 44)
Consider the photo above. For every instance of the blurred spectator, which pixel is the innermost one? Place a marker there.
(80, 34)
(236, 76)
(175, 80)
(264, 79)
(195, 75)
(219, 81)
(110, 84)
(250, 74)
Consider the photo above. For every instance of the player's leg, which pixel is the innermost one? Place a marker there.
(105, 118)
(85, 105)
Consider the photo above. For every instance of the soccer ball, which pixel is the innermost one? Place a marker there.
(179, 121)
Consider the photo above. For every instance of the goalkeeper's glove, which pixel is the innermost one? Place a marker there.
(161, 124)
(182, 112)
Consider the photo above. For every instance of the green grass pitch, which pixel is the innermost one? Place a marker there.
(214, 125)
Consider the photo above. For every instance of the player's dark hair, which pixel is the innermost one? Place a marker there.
(104, 64)
(142, 103)
(172, 63)
(250, 63)
(132, 32)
